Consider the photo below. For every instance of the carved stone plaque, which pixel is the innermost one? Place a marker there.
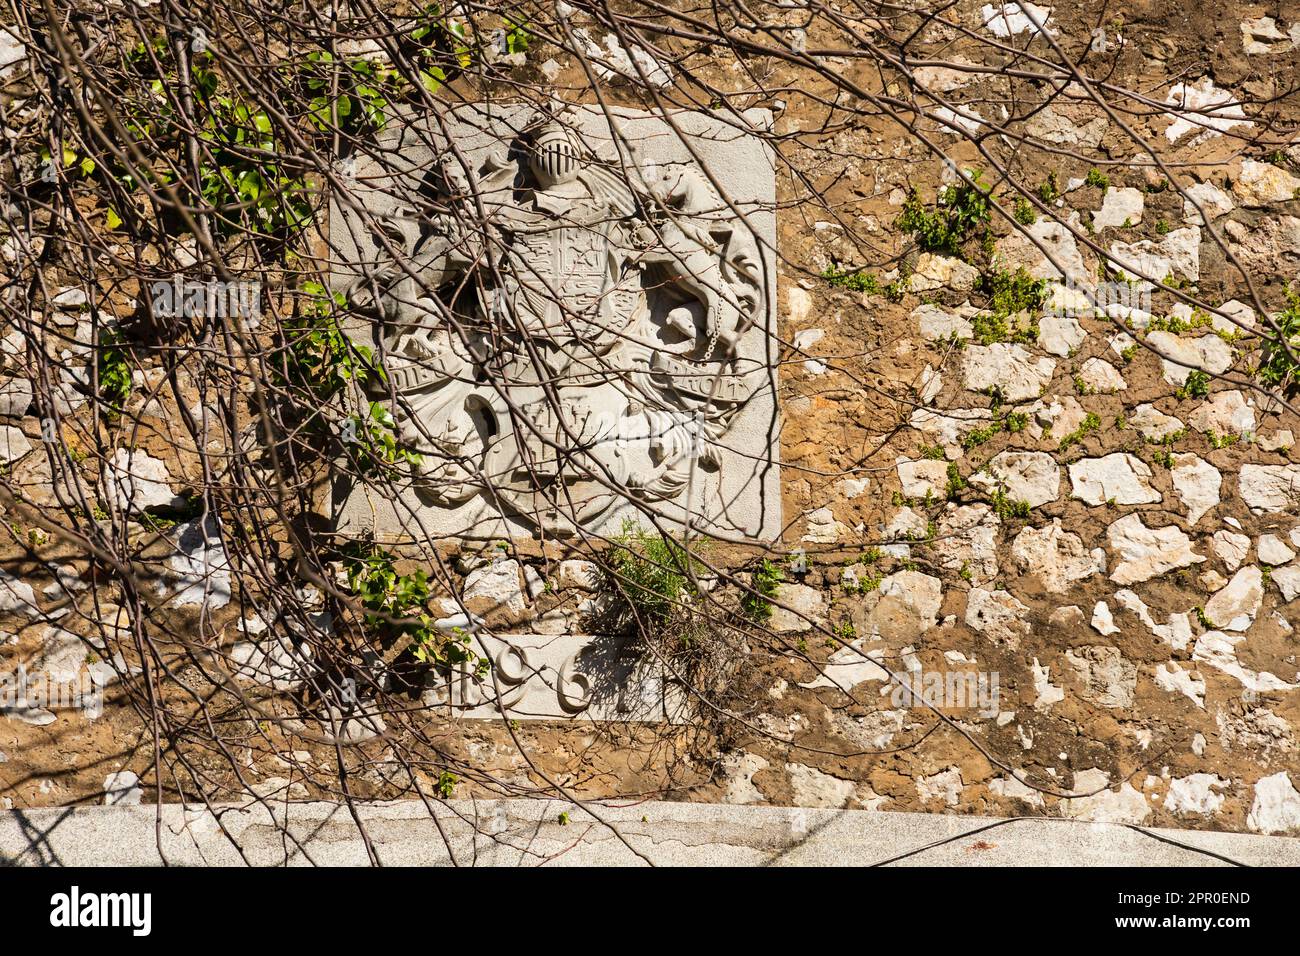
(575, 313)
(564, 677)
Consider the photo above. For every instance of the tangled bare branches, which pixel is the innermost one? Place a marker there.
(267, 324)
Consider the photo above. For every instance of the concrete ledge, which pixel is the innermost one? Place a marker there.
(529, 832)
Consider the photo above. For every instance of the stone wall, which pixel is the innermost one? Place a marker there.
(1045, 566)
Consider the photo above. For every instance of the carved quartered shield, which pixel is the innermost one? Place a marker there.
(568, 282)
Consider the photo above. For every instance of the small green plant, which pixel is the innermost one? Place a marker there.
(1050, 189)
(1012, 423)
(397, 607)
(152, 522)
(978, 436)
(1280, 353)
(1024, 212)
(990, 327)
(895, 291)
(956, 481)
(933, 453)
(114, 374)
(318, 356)
(318, 363)
(1090, 423)
(447, 784)
(349, 94)
(962, 209)
(370, 439)
(1097, 178)
(652, 574)
(1009, 294)
(245, 189)
(1173, 438)
(865, 584)
(1197, 385)
(853, 281)
(757, 605)
(1199, 319)
(1006, 507)
(516, 35)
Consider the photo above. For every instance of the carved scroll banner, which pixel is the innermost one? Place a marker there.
(564, 677)
(574, 311)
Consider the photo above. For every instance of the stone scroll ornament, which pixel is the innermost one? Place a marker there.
(550, 677)
(560, 330)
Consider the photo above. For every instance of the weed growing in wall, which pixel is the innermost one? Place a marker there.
(963, 208)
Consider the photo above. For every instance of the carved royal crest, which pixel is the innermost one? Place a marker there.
(562, 329)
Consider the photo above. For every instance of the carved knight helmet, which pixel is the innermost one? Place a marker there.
(555, 157)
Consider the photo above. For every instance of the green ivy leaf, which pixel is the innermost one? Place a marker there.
(433, 79)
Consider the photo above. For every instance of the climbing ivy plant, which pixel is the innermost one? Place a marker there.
(397, 606)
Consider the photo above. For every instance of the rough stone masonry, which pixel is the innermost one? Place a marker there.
(1094, 499)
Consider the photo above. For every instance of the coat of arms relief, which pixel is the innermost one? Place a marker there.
(574, 315)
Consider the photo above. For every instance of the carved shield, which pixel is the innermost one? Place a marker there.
(567, 282)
